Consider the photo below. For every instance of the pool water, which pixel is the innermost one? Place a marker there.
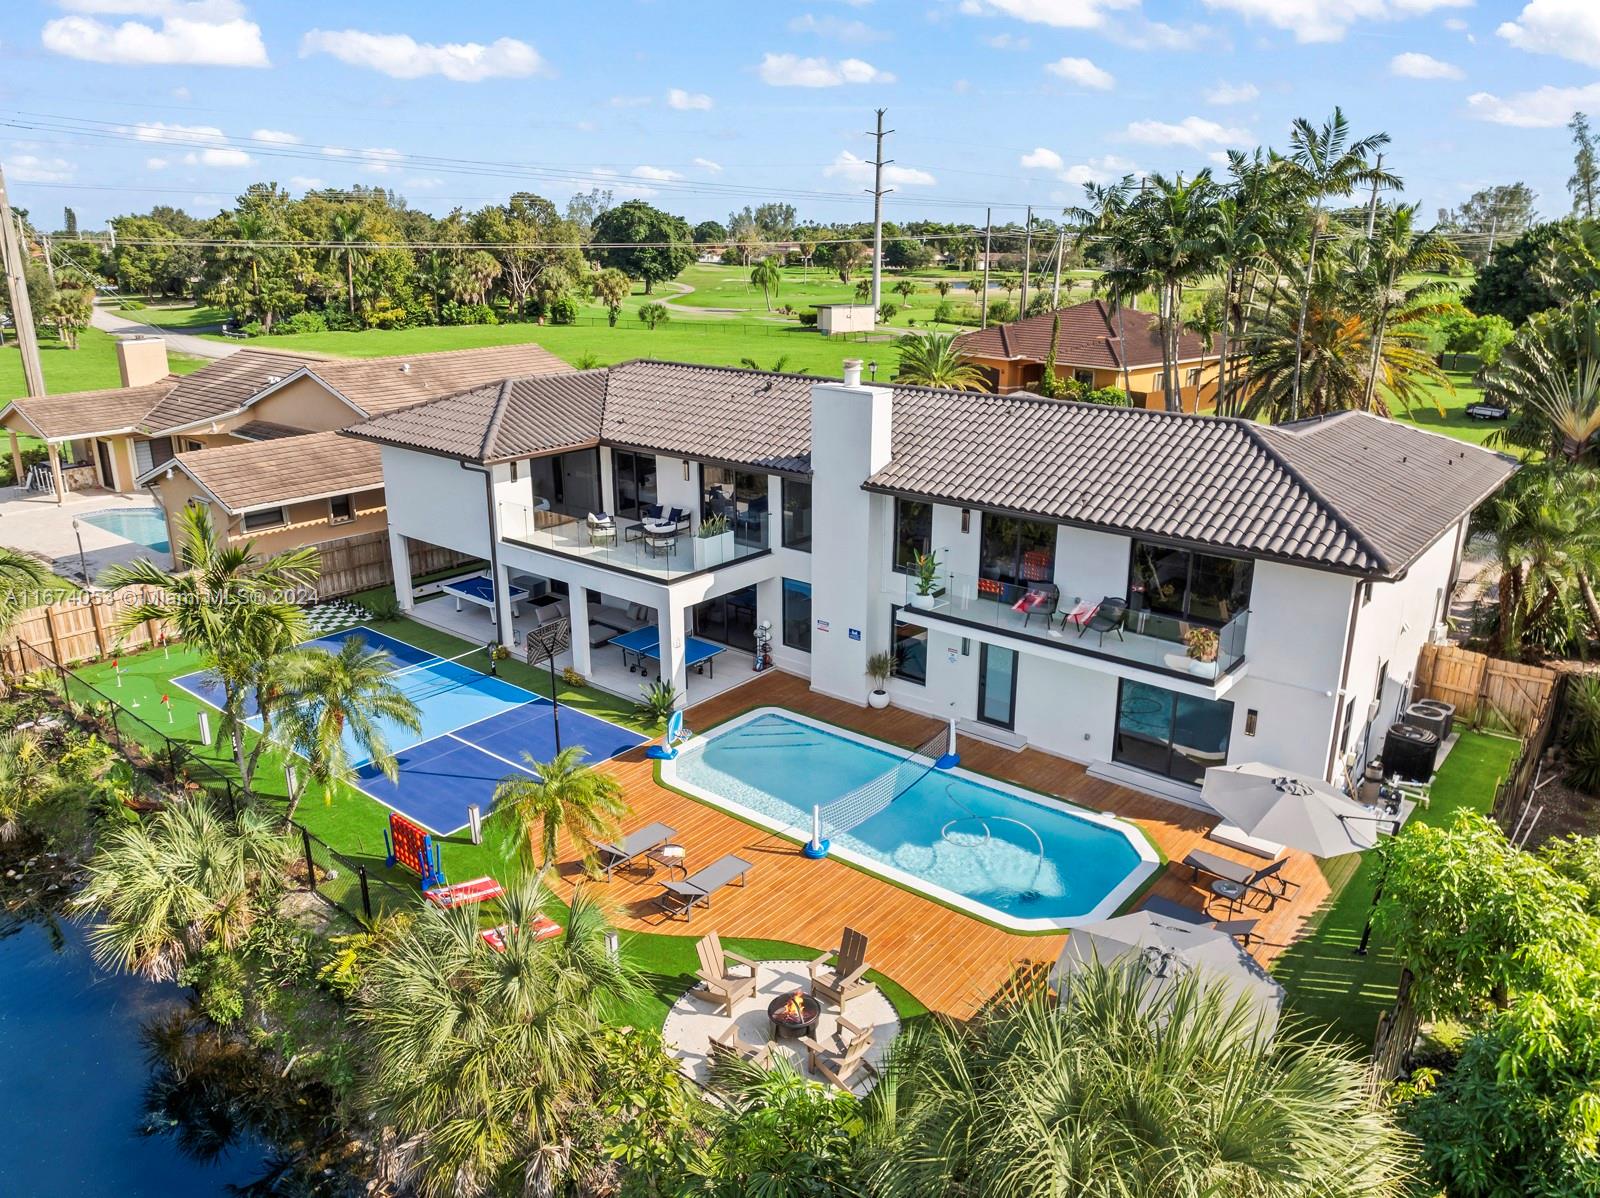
(142, 525)
(984, 846)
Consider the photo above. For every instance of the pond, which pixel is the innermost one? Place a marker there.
(76, 1079)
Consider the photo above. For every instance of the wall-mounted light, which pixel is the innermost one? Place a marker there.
(685, 469)
(966, 519)
(966, 647)
(1250, 722)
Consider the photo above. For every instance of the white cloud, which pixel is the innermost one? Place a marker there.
(156, 164)
(423, 182)
(30, 168)
(1546, 108)
(181, 94)
(1232, 93)
(1195, 132)
(180, 40)
(403, 57)
(1455, 25)
(706, 164)
(1328, 20)
(655, 174)
(217, 156)
(1082, 72)
(183, 135)
(790, 70)
(1569, 28)
(1097, 170)
(1041, 159)
(198, 10)
(859, 170)
(1061, 14)
(1007, 41)
(856, 32)
(377, 159)
(1412, 65)
(306, 183)
(276, 136)
(687, 101)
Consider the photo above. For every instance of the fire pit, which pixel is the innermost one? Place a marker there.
(793, 1015)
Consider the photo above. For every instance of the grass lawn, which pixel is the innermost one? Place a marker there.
(91, 366)
(1326, 981)
(1455, 422)
(177, 315)
(353, 823)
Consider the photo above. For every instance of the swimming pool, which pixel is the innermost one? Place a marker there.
(1019, 859)
(142, 525)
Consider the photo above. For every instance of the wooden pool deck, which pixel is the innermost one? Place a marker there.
(950, 961)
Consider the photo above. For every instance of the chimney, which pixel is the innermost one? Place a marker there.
(852, 372)
(142, 360)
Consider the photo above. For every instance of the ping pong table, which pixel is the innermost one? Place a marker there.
(478, 589)
(643, 645)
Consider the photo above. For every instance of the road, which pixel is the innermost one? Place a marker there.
(179, 343)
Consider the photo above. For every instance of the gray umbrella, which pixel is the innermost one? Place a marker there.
(1270, 803)
(1170, 950)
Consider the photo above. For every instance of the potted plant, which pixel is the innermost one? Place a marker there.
(657, 701)
(713, 542)
(1202, 645)
(927, 566)
(879, 667)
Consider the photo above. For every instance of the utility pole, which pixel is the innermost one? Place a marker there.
(17, 284)
(49, 256)
(1372, 204)
(1027, 260)
(1494, 226)
(1061, 247)
(983, 300)
(878, 192)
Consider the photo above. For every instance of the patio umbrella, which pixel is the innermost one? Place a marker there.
(1171, 950)
(1303, 813)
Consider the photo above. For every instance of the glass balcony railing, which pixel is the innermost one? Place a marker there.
(1083, 624)
(660, 552)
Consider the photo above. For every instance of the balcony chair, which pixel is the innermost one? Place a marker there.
(1040, 599)
(1109, 616)
(602, 529)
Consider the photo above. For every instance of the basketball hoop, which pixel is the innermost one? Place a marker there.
(543, 643)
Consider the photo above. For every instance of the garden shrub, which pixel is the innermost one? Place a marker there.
(131, 305)
(808, 318)
(302, 322)
(341, 321)
(563, 309)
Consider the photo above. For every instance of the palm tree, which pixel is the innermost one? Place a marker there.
(1395, 251)
(483, 1064)
(230, 603)
(347, 236)
(22, 578)
(562, 794)
(164, 888)
(27, 776)
(1550, 377)
(1115, 1092)
(905, 289)
(767, 276)
(779, 365)
(1545, 526)
(932, 360)
(942, 286)
(1322, 164)
(333, 702)
(612, 288)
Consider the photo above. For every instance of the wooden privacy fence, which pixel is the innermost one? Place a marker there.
(83, 628)
(1487, 692)
(361, 562)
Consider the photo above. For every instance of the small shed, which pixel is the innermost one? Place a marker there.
(844, 318)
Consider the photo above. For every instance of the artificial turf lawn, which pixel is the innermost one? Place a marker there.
(1324, 978)
(353, 823)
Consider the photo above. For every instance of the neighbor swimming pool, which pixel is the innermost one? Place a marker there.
(1016, 858)
(142, 525)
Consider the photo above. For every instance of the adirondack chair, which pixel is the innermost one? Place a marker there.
(840, 1060)
(843, 980)
(729, 1045)
(720, 984)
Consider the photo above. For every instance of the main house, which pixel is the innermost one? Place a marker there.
(1098, 346)
(1145, 592)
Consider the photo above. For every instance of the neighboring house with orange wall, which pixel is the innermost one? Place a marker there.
(1099, 346)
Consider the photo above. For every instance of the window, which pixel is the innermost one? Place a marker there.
(1086, 377)
(910, 650)
(341, 509)
(1016, 552)
(913, 532)
(635, 482)
(1202, 588)
(1347, 723)
(740, 497)
(796, 514)
(192, 446)
(797, 615)
(1191, 377)
(1178, 736)
(269, 517)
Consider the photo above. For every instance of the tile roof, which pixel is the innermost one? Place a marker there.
(264, 430)
(1089, 338)
(83, 413)
(384, 384)
(1354, 493)
(259, 474)
(221, 387)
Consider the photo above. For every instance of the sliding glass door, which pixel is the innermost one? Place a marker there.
(997, 686)
(1166, 733)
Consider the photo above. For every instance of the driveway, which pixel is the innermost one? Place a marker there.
(179, 343)
(35, 523)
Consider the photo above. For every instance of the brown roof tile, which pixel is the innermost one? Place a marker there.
(267, 473)
(377, 385)
(84, 413)
(221, 387)
(1092, 335)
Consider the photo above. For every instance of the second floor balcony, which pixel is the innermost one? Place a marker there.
(1108, 627)
(664, 549)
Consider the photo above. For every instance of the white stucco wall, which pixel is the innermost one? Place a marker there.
(436, 500)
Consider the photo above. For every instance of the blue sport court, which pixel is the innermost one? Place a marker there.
(475, 729)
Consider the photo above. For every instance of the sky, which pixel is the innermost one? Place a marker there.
(112, 106)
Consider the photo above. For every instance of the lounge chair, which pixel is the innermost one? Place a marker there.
(839, 1060)
(659, 543)
(1040, 599)
(1243, 929)
(842, 981)
(729, 1045)
(1108, 617)
(696, 890)
(720, 983)
(602, 529)
(634, 846)
(1268, 880)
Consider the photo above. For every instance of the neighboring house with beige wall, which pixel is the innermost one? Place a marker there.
(1098, 346)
